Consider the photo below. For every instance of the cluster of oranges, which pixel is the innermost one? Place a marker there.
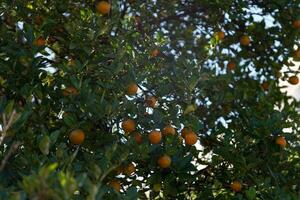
(245, 41)
(77, 136)
(155, 137)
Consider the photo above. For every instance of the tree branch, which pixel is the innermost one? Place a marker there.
(12, 149)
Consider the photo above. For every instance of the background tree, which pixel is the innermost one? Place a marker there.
(112, 99)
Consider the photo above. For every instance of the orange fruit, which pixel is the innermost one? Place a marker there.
(190, 138)
(151, 102)
(154, 53)
(294, 80)
(138, 138)
(231, 65)
(128, 125)
(164, 161)
(130, 169)
(185, 131)
(132, 89)
(281, 141)
(296, 23)
(70, 91)
(154, 137)
(236, 186)
(265, 86)
(77, 136)
(169, 130)
(221, 35)
(103, 7)
(115, 184)
(245, 40)
(39, 42)
(297, 54)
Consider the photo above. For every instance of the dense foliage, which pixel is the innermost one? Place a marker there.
(172, 99)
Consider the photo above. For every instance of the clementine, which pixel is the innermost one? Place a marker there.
(103, 7)
(128, 125)
(164, 161)
(154, 137)
(77, 136)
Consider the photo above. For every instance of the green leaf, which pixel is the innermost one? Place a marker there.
(131, 193)
(9, 108)
(251, 193)
(54, 136)
(70, 120)
(22, 119)
(44, 145)
(189, 109)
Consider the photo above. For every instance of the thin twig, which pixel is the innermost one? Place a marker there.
(4, 120)
(6, 125)
(10, 121)
(12, 149)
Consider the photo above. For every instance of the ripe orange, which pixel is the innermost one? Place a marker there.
(169, 130)
(236, 186)
(221, 35)
(296, 23)
(190, 138)
(70, 91)
(265, 86)
(103, 7)
(151, 102)
(231, 65)
(185, 131)
(130, 169)
(245, 40)
(297, 54)
(76, 136)
(294, 80)
(154, 137)
(138, 138)
(155, 53)
(281, 141)
(128, 125)
(115, 184)
(164, 161)
(132, 89)
(39, 42)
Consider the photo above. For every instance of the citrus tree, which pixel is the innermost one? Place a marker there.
(129, 99)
